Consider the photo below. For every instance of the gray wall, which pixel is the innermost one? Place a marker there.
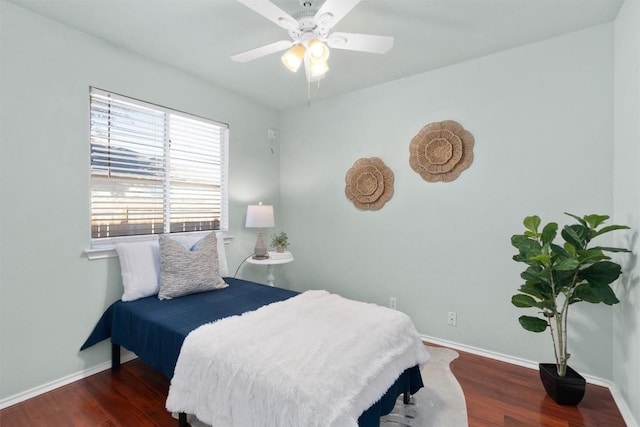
(51, 295)
(626, 320)
(542, 118)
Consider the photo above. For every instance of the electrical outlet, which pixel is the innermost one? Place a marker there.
(392, 302)
(271, 134)
(452, 318)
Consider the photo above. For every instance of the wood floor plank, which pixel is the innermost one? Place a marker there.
(498, 394)
(14, 416)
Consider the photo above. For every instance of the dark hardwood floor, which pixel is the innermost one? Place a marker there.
(497, 394)
(502, 394)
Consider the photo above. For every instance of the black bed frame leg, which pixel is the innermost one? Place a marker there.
(115, 357)
(182, 420)
(406, 397)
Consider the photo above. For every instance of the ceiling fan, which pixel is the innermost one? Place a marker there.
(310, 35)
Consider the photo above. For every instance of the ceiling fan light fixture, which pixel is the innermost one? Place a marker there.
(311, 36)
(318, 51)
(293, 58)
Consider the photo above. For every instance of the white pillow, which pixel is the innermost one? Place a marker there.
(140, 268)
(140, 263)
(222, 255)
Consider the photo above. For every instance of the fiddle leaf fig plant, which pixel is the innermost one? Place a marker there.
(561, 274)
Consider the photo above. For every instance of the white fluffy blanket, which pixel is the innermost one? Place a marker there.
(316, 359)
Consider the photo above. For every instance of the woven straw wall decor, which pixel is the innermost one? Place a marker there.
(369, 184)
(441, 151)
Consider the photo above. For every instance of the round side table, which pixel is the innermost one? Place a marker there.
(275, 258)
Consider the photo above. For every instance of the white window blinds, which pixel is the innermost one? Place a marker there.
(154, 170)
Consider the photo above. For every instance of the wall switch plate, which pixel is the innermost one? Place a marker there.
(452, 318)
(392, 302)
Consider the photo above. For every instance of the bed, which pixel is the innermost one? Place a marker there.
(155, 331)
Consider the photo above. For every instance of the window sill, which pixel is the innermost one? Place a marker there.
(109, 251)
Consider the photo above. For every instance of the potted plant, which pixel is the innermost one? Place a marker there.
(558, 276)
(280, 241)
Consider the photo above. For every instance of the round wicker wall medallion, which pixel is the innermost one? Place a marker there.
(441, 151)
(369, 184)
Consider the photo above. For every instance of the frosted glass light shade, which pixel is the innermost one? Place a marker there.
(318, 69)
(318, 51)
(292, 59)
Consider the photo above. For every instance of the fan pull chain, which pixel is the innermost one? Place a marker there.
(309, 92)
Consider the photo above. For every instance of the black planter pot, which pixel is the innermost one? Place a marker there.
(567, 390)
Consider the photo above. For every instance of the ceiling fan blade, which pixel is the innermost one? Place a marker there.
(360, 42)
(272, 12)
(259, 52)
(336, 9)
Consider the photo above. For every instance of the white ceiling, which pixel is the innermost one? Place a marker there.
(199, 36)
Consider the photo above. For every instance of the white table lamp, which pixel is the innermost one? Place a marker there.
(260, 216)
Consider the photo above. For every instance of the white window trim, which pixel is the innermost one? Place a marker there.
(109, 250)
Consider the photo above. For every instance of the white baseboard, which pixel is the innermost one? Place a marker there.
(615, 392)
(45, 388)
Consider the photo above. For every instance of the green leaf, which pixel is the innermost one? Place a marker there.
(595, 220)
(601, 273)
(545, 259)
(605, 294)
(548, 305)
(523, 301)
(527, 247)
(609, 228)
(580, 220)
(567, 264)
(594, 294)
(535, 274)
(532, 223)
(562, 279)
(533, 324)
(591, 255)
(583, 292)
(537, 290)
(571, 250)
(576, 235)
(549, 232)
(559, 252)
(518, 240)
(607, 249)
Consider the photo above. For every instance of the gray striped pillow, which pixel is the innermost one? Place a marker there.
(184, 271)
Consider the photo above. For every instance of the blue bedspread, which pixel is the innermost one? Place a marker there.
(154, 330)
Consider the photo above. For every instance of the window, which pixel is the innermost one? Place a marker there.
(154, 170)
